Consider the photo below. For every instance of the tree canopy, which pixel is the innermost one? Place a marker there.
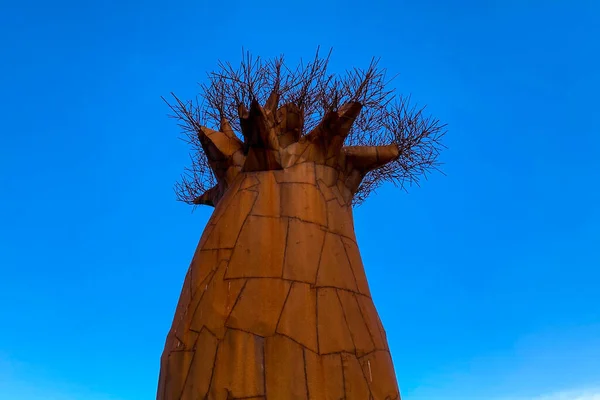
(361, 102)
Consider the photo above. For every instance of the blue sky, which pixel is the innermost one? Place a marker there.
(491, 290)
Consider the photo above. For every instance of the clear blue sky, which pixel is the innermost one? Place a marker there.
(492, 290)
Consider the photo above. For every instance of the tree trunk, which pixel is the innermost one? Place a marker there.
(276, 304)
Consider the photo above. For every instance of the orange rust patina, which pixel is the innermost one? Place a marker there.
(276, 304)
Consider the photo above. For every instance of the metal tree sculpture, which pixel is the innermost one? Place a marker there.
(276, 304)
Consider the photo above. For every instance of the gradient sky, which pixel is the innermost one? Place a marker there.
(487, 280)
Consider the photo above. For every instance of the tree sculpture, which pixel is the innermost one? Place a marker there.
(275, 304)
